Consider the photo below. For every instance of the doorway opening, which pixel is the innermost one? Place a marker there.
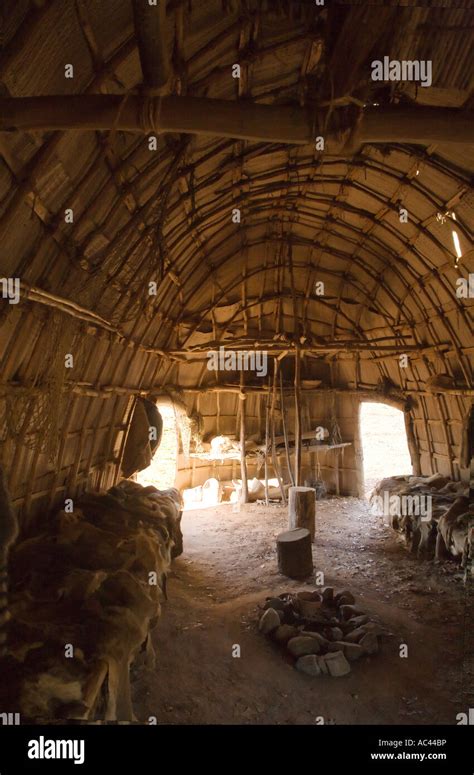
(384, 443)
(161, 473)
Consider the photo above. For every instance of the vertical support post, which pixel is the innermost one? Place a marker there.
(297, 386)
(412, 443)
(358, 451)
(285, 431)
(337, 471)
(244, 493)
(275, 461)
(267, 441)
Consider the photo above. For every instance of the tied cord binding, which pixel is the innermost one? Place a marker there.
(149, 113)
(337, 118)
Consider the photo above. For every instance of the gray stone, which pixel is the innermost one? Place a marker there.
(323, 666)
(346, 626)
(269, 621)
(349, 611)
(318, 620)
(303, 645)
(284, 633)
(355, 635)
(336, 633)
(352, 651)
(320, 638)
(336, 646)
(369, 643)
(309, 665)
(357, 621)
(274, 602)
(373, 627)
(344, 598)
(337, 664)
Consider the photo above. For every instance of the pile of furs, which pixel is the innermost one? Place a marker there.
(445, 531)
(85, 595)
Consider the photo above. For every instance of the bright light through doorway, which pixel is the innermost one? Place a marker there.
(162, 471)
(384, 443)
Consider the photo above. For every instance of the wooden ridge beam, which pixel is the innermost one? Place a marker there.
(289, 124)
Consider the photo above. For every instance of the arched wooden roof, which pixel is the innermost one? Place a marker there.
(165, 216)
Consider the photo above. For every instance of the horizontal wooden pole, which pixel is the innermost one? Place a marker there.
(79, 388)
(76, 311)
(167, 391)
(417, 124)
(450, 391)
(272, 348)
(366, 392)
(374, 394)
(66, 306)
(244, 119)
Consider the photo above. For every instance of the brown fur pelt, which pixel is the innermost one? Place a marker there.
(445, 533)
(85, 595)
(453, 528)
(159, 505)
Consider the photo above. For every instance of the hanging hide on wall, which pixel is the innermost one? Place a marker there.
(144, 437)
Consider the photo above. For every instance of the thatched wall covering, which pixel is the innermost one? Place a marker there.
(165, 217)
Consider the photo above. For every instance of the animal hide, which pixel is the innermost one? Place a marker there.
(8, 534)
(445, 533)
(139, 449)
(85, 595)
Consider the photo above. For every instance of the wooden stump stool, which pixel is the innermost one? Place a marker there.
(295, 559)
(302, 508)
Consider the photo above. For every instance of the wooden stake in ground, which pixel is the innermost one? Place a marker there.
(295, 558)
(302, 508)
(244, 493)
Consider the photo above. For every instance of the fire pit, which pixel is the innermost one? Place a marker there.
(322, 631)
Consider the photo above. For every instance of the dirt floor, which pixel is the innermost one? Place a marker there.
(229, 567)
